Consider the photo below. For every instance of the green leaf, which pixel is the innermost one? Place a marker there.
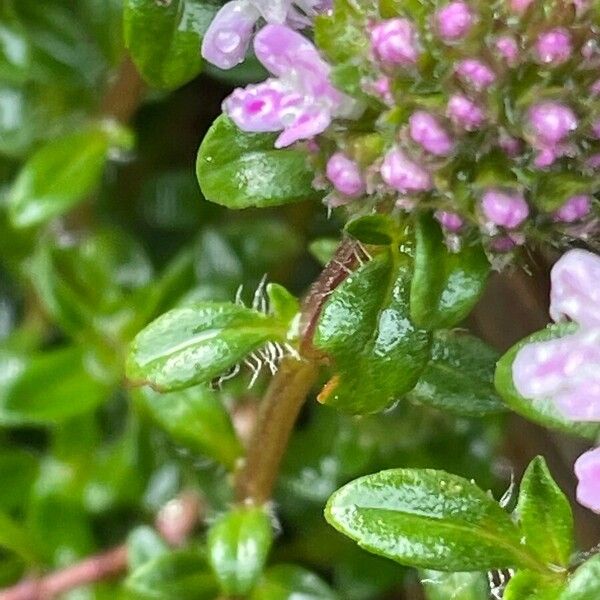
(460, 376)
(323, 249)
(545, 515)
(239, 170)
(540, 411)
(164, 38)
(379, 230)
(197, 343)
(19, 468)
(585, 582)
(283, 305)
(290, 582)
(446, 285)
(48, 388)
(144, 545)
(527, 585)
(455, 586)
(15, 538)
(181, 575)
(555, 189)
(378, 354)
(238, 545)
(428, 519)
(196, 419)
(14, 46)
(58, 176)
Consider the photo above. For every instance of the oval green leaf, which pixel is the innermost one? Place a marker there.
(585, 582)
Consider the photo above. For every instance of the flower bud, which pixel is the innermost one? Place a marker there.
(345, 175)
(427, 131)
(465, 113)
(395, 41)
(587, 470)
(554, 46)
(449, 221)
(505, 209)
(476, 73)
(551, 122)
(454, 20)
(508, 48)
(403, 174)
(574, 209)
(519, 5)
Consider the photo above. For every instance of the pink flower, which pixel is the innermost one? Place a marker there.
(505, 209)
(551, 122)
(345, 175)
(465, 113)
(228, 36)
(454, 20)
(476, 73)
(426, 130)
(574, 209)
(587, 469)
(554, 46)
(395, 41)
(299, 101)
(508, 48)
(403, 174)
(520, 5)
(449, 221)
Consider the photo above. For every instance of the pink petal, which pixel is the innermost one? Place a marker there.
(587, 469)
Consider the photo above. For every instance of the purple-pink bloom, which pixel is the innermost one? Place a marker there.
(508, 48)
(465, 113)
(587, 470)
(551, 122)
(450, 221)
(299, 101)
(228, 37)
(574, 209)
(403, 174)
(554, 46)
(395, 41)
(476, 73)
(426, 130)
(345, 175)
(454, 20)
(505, 209)
(520, 5)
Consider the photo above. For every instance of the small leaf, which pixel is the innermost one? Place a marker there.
(283, 305)
(20, 468)
(197, 343)
(14, 46)
(428, 519)
(545, 515)
(455, 586)
(196, 418)
(379, 230)
(323, 249)
(48, 388)
(540, 411)
(238, 545)
(15, 538)
(585, 582)
(144, 545)
(528, 585)
(238, 169)
(164, 38)
(378, 354)
(445, 285)
(290, 582)
(460, 376)
(58, 176)
(181, 575)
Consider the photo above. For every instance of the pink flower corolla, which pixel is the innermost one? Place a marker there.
(228, 37)
(519, 5)
(505, 209)
(345, 175)
(587, 470)
(299, 101)
(508, 48)
(554, 46)
(465, 113)
(454, 20)
(550, 123)
(476, 73)
(403, 174)
(450, 221)
(574, 209)
(426, 130)
(395, 41)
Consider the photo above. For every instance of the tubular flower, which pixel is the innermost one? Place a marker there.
(566, 370)
(228, 37)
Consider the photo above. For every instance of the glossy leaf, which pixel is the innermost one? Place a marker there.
(181, 575)
(545, 515)
(196, 343)
(375, 229)
(288, 582)
(164, 38)
(460, 376)
(239, 170)
(540, 411)
(58, 176)
(282, 304)
(585, 582)
(428, 519)
(196, 419)
(527, 585)
(48, 388)
(445, 285)
(238, 545)
(377, 353)
(455, 586)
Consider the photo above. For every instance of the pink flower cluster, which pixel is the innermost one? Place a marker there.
(566, 370)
